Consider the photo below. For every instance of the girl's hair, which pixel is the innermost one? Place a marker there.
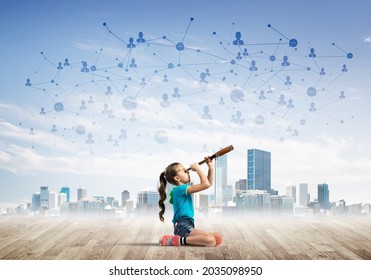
(166, 176)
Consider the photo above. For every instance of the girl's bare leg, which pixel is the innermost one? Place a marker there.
(200, 238)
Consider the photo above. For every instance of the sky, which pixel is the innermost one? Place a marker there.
(105, 94)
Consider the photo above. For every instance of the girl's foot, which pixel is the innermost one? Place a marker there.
(170, 240)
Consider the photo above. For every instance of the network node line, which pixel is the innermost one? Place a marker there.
(132, 92)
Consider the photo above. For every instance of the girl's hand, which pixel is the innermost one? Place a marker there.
(195, 166)
(209, 162)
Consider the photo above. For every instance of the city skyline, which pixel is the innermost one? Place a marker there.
(95, 96)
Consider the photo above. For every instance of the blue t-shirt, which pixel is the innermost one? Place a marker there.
(182, 203)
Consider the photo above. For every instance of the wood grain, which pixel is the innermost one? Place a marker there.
(244, 238)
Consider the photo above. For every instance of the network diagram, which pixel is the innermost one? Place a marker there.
(135, 93)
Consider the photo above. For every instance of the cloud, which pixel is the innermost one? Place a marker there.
(367, 39)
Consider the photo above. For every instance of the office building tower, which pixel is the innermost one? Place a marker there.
(302, 194)
(109, 200)
(62, 198)
(323, 196)
(35, 201)
(66, 190)
(44, 197)
(220, 179)
(148, 197)
(241, 185)
(82, 194)
(291, 191)
(258, 170)
(227, 194)
(53, 200)
(125, 195)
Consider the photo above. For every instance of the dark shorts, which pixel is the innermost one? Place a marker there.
(183, 227)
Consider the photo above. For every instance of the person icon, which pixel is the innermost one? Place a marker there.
(109, 92)
(344, 68)
(311, 53)
(59, 66)
(131, 44)
(176, 93)
(290, 104)
(66, 62)
(90, 101)
(54, 129)
(140, 38)
(123, 134)
(239, 119)
(282, 101)
(165, 103)
(239, 56)
(285, 61)
(238, 40)
(42, 111)
(32, 132)
(105, 109)
(312, 107)
(342, 95)
(84, 68)
(133, 64)
(261, 95)
(221, 101)
(90, 139)
(203, 76)
(253, 66)
(288, 82)
(133, 117)
(245, 53)
(28, 83)
(165, 79)
(206, 115)
(322, 73)
(83, 107)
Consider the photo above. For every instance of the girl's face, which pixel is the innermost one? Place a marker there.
(182, 175)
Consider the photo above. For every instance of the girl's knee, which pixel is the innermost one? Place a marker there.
(210, 240)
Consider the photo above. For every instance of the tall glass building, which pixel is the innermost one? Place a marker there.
(35, 201)
(125, 195)
(258, 170)
(82, 194)
(44, 197)
(220, 179)
(66, 190)
(323, 196)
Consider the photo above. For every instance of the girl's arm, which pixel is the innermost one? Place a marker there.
(210, 173)
(204, 181)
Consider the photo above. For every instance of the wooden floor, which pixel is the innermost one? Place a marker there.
(256, 238)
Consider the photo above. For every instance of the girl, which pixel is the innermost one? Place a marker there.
(184, 231)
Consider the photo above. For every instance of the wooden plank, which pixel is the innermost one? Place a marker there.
(265, 238)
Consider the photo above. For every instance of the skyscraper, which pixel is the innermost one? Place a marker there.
(35, 201)
(258, 170)
(323, 196)
(302, 194)
(220, 179)
(53, 200)
(44, 197)
(291, 191)
(66, 190)
(81, 194)
(125, 195)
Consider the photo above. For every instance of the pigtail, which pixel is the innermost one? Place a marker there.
(162, 191)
